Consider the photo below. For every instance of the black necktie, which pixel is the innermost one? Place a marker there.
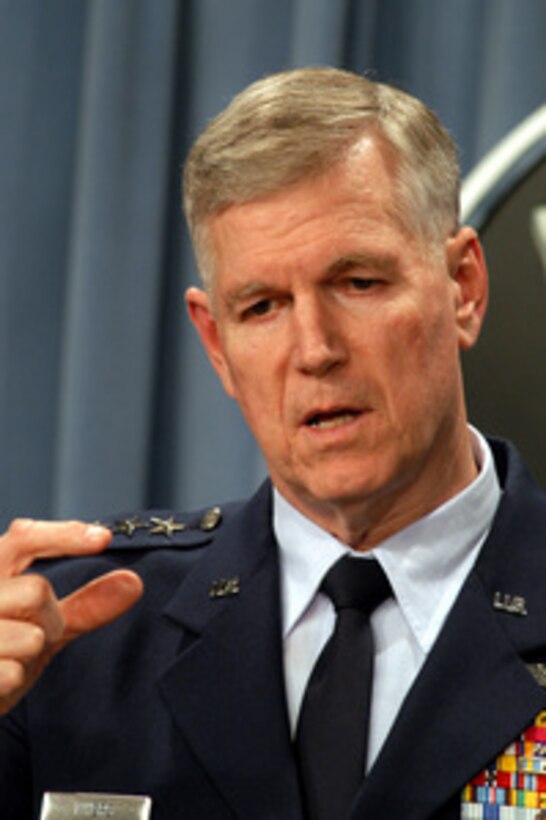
(332, 733)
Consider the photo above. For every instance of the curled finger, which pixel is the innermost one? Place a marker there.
(31, 598)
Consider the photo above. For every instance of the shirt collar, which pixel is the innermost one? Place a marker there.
(426, 563)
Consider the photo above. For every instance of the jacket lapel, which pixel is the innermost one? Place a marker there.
(473, 697)
(475, 694)
(225, 689)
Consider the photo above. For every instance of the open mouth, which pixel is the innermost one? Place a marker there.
(334, 418)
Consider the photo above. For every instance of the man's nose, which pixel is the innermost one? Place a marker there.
(318, 338)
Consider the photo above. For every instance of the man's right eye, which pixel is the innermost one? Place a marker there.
(260, 308)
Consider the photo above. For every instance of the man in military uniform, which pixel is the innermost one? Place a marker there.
(339, 290)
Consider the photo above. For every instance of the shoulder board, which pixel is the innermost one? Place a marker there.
(151, 529)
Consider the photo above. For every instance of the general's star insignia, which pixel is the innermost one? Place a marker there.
(128, 526)
(165, 526)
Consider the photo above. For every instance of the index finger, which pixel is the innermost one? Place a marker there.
(27, 540)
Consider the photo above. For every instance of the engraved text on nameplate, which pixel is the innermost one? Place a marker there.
(83, 805)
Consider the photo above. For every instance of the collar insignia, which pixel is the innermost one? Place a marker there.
(514, 604)
(538, 671)
(224, 587)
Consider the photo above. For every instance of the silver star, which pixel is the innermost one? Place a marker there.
(165, 526)
(128, 526)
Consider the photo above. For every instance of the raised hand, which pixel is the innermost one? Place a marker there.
(34, 623)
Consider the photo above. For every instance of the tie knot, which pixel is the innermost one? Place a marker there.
(356, 583)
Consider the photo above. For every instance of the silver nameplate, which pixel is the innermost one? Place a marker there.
(81, 805)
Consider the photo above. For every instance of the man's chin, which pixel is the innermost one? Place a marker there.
(338, 492)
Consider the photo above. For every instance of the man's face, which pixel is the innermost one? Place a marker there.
(338, 335)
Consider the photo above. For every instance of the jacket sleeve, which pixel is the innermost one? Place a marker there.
(15, 774)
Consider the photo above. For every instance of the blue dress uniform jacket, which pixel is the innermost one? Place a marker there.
(182, 699)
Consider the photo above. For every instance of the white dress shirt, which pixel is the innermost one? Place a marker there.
(426, 564)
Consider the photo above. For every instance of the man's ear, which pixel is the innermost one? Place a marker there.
(202, 316)
(468, 270)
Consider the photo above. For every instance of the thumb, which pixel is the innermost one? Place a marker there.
(99, 602)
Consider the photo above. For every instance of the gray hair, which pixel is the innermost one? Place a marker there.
(296, 124)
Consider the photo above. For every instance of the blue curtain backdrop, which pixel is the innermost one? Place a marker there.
(107, 402)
